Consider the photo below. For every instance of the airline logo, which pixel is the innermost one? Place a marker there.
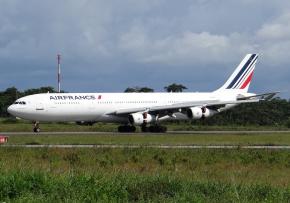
(244, 76)
(75, 97)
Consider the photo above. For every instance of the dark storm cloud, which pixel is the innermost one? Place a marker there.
(109, 45)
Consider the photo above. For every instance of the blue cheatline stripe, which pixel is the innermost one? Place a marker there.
(246, 72)
(241, 71)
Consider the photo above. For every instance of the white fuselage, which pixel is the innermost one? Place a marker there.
(99, 106)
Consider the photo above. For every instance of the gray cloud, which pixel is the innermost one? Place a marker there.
(109, 45)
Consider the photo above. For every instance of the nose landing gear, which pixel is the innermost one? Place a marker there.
(36, 128)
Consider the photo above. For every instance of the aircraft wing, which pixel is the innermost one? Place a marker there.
(176, 106)
(185, 105)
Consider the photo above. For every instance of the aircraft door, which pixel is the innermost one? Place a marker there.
(39, 106)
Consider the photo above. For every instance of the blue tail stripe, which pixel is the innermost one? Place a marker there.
(245, 73)
(241, 72)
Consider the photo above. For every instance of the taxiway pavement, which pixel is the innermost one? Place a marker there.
(167, 133)
(150, 146)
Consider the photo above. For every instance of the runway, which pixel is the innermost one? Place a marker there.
(183, 145)
(140, 133)
(150, 146)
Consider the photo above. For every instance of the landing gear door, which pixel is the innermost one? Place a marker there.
(39, 106)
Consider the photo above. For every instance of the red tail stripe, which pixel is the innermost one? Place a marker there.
(247, 81)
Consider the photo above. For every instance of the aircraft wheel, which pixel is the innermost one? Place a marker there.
(121, 129)
(132, 129)
(163, 129)
(157, 129)
(36, 128)
(144, 129)
(126, 129)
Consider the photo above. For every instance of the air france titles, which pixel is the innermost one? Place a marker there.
(73, 97)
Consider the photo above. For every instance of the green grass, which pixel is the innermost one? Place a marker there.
(185, 126)
(36, 187)
(26, 126)
(156, 139)
(121, 175)
(142, 174)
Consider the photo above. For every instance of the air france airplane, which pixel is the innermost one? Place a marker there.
(140, 109)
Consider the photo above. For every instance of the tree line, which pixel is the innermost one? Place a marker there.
(8, 96)
(265, 113)
(170, 88)
(274, 113)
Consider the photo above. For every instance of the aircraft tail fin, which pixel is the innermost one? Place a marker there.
(242, 76)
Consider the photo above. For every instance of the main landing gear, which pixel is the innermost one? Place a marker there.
(154, 128)
(144, 128)
(126, 129)
(36, 128)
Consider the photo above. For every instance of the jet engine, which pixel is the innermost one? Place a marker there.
(199, 112)
(141, 118)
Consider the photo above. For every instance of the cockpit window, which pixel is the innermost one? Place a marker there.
(20, 102)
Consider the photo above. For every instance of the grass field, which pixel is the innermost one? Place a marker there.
(158, 175)
(143, 174)
(146, 174)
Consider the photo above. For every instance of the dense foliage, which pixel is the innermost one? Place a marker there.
(267, 113)
(138, 89)
(175, 88)
(8, 96)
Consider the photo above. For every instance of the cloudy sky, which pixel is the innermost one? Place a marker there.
(107, 46)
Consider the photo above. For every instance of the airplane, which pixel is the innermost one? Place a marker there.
(146, 110)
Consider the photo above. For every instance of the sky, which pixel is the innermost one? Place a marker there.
(107, 46)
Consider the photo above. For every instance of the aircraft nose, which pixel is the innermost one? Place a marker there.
(11, 109)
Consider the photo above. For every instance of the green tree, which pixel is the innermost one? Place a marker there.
(7, 97)
(39, 90)
(11, 94)
(175, 88)
(146, 89)
(130, 89)
(138, 89)
(268, 113)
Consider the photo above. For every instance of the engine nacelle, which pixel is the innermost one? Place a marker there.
(208, 112)
(141, 118)
(199, 112)
(194, 113)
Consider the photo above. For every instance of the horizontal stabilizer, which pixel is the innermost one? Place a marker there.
(265, 96)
